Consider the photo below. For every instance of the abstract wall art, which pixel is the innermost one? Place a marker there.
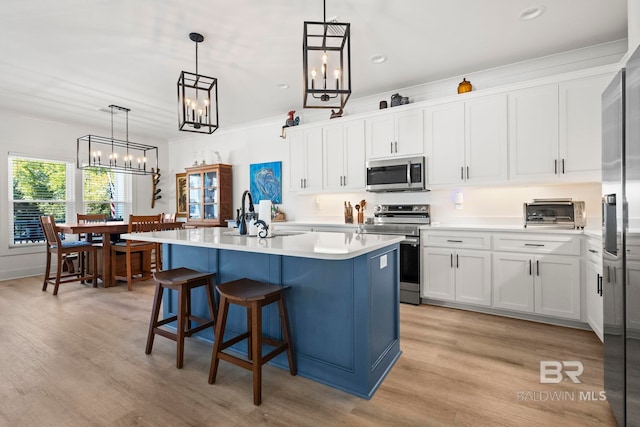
(265, 182)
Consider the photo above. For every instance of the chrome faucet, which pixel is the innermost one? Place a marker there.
(243, 222)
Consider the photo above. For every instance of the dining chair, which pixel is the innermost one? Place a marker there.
(95, 239)
(137, 224)
(88, 218)
(62, 250)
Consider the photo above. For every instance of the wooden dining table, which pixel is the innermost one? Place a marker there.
(107, 229)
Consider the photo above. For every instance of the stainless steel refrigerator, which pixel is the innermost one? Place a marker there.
(621, 241)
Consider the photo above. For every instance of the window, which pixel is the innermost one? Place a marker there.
(39, 187)
(106, 192)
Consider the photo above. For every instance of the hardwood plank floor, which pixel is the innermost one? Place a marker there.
(78, 360)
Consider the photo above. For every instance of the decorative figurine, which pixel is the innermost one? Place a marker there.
(464, 86)
(289, 122)
(396, 99)
(336, 114)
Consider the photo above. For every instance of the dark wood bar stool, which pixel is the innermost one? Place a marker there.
(181, 280)
(253, 295)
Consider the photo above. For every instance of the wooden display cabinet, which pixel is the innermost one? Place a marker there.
(210, 197)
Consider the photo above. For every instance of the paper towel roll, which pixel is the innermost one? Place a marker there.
(264, 213)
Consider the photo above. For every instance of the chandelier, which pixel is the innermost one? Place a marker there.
(326, 63)
(197, 109)
(93, 151)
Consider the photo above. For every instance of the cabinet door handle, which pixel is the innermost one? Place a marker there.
(608, 274)
(301, 183)
(537, 245)
(563, 166)
(396, 146)
(537, 267)
(601, 289)
(462, 173)
(599, 284)
(467, 172)
(529, 267)
(345, 180)
(555, 166)
(341, 181)
(305, 182)
(615, 276)
(451, 256)
(391, 149)
(457, 261)
(593, 251)
(454, 241)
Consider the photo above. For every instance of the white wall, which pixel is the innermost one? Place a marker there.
(633, 24)
(36, 137)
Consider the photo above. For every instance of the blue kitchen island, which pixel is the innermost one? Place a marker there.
(343, 299)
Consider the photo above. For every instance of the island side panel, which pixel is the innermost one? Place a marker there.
(344, 313)
(384, 307)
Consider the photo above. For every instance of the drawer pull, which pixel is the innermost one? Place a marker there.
(593, 251)
(537, 245)
(454, 241)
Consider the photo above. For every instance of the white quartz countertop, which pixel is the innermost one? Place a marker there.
(320, 245)
(510, 229)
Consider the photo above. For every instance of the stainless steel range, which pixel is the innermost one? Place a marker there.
(403, 220)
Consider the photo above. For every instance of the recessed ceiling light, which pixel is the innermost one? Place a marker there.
(282, 86)
(532, 12)
(378, 59)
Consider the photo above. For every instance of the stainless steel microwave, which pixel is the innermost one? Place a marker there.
(399, 174)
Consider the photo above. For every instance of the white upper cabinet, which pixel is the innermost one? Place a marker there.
(399, 134)
(467, 141)
(533, 133)
(344, 156)
(445, 141)
(486, 139)
(305, 160)
(581, 127)
(555, 131)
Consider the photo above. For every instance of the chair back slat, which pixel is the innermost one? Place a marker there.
(48, 223)
(142, 223)
(87, 218)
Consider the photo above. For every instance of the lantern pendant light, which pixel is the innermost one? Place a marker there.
(197, 98)
(326, 62)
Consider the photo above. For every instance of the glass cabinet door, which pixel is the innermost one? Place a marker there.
(195, 196)
(210, 195)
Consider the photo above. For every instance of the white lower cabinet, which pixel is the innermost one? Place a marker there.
(541, 284)
(452, 274)
(593, 297)
(537, 273)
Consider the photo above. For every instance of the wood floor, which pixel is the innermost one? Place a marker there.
(78, 360)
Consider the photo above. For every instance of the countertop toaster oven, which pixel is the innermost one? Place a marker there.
(564, 213)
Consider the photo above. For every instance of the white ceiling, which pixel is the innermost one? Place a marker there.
(67, 59)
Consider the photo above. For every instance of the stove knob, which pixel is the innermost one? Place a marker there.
(377, 208)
